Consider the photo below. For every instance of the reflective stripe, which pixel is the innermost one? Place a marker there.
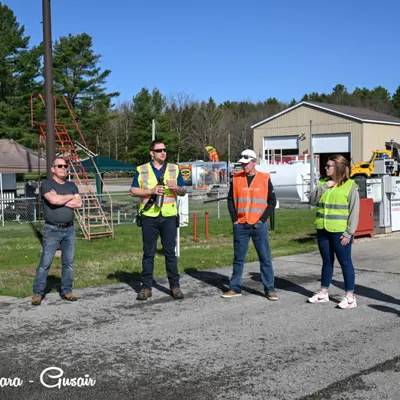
(333, 206)
(172, 171)
(255, 210)
(245, 200)
(145, 176)
(329, 216)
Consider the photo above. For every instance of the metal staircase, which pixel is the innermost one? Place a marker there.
(95, 219)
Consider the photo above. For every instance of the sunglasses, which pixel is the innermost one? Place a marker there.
(160, 150)
(62, 166)
(329, 166)
(247, 157)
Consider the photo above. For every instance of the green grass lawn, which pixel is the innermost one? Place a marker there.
(105, 261)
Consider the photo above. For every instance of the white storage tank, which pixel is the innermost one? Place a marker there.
(291, 181)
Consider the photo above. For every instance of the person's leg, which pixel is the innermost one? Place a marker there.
(259, 235)
(67, 260)
(343, 254)
(168, 241)
(150, 232)
(241, 237)
(51, 239)
(328, 258)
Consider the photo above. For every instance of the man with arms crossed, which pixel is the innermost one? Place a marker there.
(60, 198)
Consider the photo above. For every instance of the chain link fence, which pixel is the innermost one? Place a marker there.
(21, 216)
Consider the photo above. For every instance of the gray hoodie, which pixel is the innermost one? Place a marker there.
(354, 206)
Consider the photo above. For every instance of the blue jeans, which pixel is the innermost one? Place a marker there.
(241, 238)
(329, 245)
(52, 237)
(152, 227)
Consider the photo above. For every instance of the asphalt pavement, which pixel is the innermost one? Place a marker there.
(207, 347)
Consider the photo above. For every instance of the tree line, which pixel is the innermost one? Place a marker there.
(123, 130)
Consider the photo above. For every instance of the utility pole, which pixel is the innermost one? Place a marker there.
(153, 131)
(311, 160)
(48, 86)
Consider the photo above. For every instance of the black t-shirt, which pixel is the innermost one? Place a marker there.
(57, 214)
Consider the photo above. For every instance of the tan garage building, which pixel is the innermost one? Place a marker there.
(351, 131)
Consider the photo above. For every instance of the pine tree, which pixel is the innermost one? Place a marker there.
(19, 68)
(78, 77)
(146, 107)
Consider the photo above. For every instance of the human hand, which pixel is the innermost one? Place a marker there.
(171, 183)
(235, 223)
(159, 189)
(331, 183)
(344, 240)
(53, 192)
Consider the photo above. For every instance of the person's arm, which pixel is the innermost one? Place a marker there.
(354, 210)
(271, 203)
(58, 199)
(76, 202)
(231, 205)
(317, 193)
(136, 190)
(179, 188)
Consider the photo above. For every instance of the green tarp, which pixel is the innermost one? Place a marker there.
(106, 164)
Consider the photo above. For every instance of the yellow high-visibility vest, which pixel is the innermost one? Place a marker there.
(333, 207)
(147, 180)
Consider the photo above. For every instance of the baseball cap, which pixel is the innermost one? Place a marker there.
(247, 155)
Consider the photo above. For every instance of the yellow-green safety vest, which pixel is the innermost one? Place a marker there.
(333, 207)
(147, 180)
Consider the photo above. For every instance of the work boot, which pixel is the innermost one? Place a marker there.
(271, 295)
(144, 294)
(36, 299)
(177, 293)
(231, 293)
(69, 297)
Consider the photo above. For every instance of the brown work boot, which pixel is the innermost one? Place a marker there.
(144, 294)
(271, 295)
(36, 300)
(230, 294)
(177, 293)
(69, 297)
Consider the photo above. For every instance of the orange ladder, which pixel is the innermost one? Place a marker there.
(92, 216)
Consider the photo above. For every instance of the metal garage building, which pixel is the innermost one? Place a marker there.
(351, 131)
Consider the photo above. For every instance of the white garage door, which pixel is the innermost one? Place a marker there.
(335, 143)
(281, 142)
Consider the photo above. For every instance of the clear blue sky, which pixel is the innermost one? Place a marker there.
(231, 49)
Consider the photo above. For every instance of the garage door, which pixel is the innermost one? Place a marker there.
(281, 142)
(335, 143)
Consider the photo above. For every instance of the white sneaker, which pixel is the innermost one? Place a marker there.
(319, 297)
(348, 302)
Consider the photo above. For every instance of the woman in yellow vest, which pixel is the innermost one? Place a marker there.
(337, 205)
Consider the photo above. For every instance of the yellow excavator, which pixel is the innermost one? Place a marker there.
(366, 168)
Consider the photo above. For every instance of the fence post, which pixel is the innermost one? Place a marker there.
(206, 215)
(218, 212)
(119, 216)
(194, 226)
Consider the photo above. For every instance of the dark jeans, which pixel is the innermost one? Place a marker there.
(52, 237)
(153, 227)
(241, 238)
(329, 245)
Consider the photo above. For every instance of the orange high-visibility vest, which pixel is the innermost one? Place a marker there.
(250, 202)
